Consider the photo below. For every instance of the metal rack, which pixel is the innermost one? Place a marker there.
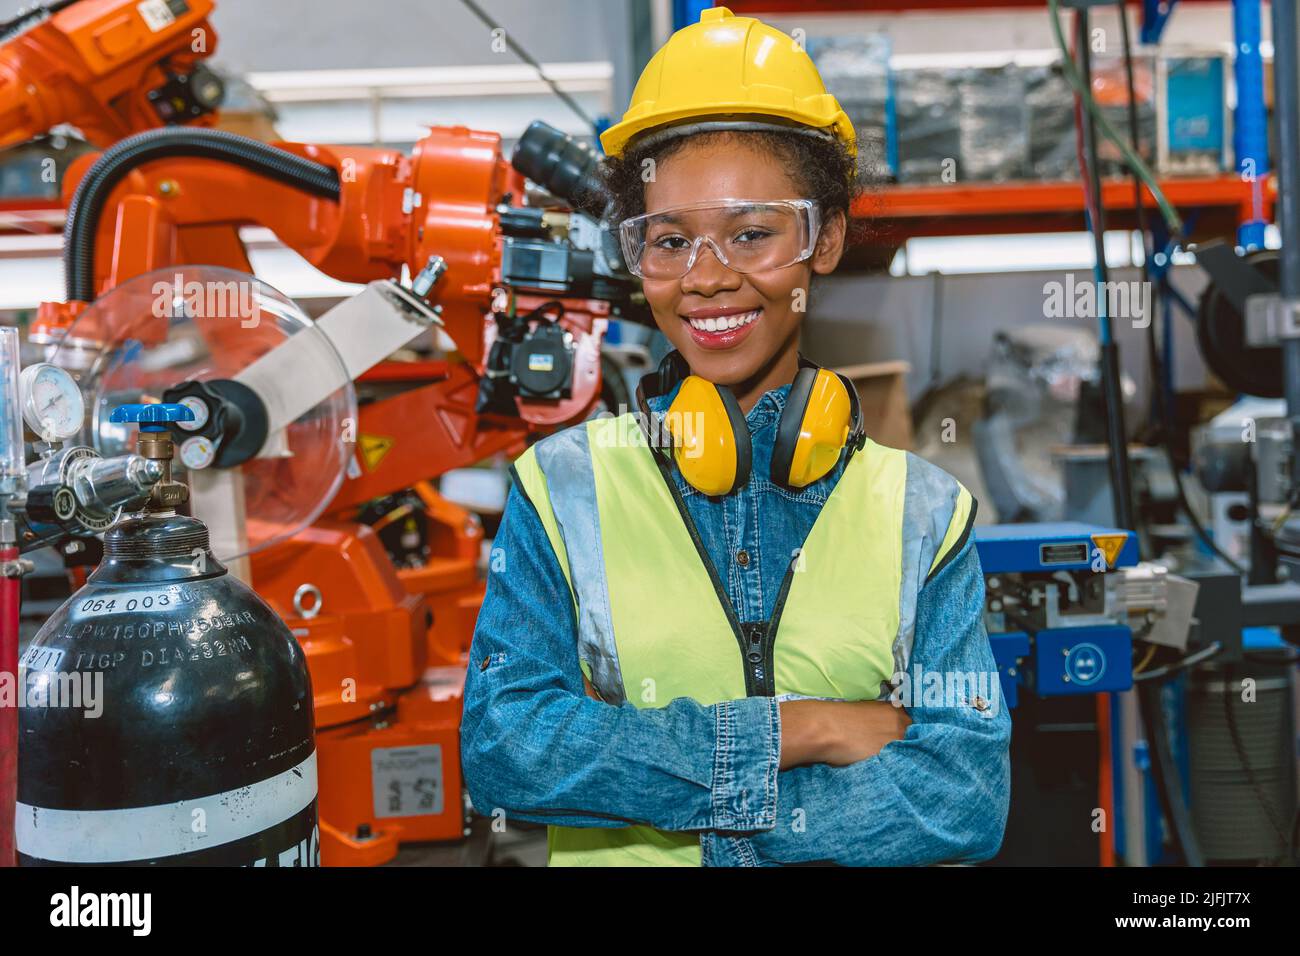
(899, 213)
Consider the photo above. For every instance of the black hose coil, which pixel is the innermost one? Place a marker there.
(115, 162)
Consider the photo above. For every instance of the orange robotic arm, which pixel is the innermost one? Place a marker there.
(179, 196)
(108, 67)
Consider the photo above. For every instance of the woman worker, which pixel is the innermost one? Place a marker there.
(689, 642)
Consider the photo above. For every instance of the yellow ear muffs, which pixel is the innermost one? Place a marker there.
(710, 437)
(815, 426)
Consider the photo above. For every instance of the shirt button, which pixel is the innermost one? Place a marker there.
(742, 558)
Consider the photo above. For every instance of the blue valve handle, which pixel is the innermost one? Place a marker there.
(152, 417)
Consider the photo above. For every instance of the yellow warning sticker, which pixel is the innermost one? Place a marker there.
(1110, 545)
(373, 449)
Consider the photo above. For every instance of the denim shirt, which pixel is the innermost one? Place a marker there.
(535, 746)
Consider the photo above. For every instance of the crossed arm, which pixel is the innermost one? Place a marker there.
(938, 794)
(753, 776)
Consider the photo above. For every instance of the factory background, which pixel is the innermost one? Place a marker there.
(953, 313)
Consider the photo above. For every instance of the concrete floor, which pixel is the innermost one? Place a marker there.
(520, 845)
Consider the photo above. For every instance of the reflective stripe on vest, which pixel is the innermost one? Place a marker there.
(652, 621)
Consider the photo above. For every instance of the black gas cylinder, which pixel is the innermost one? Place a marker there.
(167, 716)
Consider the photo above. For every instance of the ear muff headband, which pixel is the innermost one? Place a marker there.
(789, 429)
(857, 427)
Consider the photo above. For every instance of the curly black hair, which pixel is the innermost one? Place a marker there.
(823, 169)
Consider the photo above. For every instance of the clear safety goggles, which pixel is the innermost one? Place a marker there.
(746, 236)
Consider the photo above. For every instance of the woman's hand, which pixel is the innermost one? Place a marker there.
(837, 732)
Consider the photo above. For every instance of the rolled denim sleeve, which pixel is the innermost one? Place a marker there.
(938, 795)
(534, 745)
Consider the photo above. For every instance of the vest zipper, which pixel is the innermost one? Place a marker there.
(758, 674)
(769, 632)
(758, 659)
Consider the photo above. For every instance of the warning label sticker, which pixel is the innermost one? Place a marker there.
(407, 781)
(1110, 546)
(373, 449)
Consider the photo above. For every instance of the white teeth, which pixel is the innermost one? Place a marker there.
(725, 323)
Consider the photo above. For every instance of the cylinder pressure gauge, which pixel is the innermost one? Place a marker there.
(52, 404)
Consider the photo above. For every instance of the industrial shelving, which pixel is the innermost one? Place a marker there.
(901, 212)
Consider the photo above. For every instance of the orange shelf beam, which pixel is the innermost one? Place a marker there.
(897, 213)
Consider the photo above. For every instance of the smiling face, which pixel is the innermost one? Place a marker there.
(740, 330)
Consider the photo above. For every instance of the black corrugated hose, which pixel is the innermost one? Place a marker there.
(29, 18)
(115, 162)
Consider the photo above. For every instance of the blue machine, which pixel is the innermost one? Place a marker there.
(1057, 606)
(1051, 546)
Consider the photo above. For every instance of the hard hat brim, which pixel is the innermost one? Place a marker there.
(638, 134)
(662, 134)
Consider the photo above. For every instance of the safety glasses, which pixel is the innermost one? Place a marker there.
(746, 236)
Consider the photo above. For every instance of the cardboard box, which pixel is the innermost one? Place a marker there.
(882, 389)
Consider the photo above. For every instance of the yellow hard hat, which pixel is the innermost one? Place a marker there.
(730, 72)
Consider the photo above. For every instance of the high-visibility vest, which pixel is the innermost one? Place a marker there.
(652, 622)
